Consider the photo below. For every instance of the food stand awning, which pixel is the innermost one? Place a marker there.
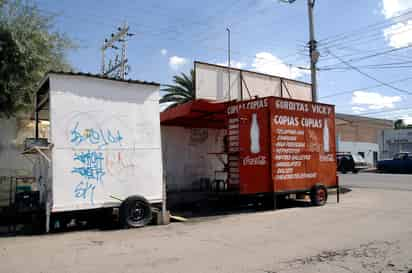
(196, 114)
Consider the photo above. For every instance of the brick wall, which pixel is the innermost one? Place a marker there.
(360, 129)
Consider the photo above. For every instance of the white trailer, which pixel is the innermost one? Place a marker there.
(104, 147)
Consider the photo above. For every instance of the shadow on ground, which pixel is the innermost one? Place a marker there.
(195, 209)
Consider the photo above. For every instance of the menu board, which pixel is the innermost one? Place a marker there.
(303, 144)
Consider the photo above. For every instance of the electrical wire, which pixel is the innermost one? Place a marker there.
(360, 31)
(367, 56)
(369, 76)
(388, 111)
(340, 93)
(173, 38)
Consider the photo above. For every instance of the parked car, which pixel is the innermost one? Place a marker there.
(401, 163)
(348, 162)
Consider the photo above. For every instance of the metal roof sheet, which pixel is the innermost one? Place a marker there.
(98, 76)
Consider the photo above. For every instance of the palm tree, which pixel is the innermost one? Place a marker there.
(182, 91)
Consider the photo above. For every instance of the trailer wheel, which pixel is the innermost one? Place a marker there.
(135, 212)
(318, 195)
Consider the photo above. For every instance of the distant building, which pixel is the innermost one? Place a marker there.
(360, 135)
(393, 141)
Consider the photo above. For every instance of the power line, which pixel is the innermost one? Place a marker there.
(160, 33)
(374, 66)
(357, 32)
(368, 56)
(363, 88)
(392, 55)
(369, 76)
(388, 111)
(344, 69)
(118, 67)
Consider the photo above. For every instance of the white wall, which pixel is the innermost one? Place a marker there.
(11, 160)
(355, 147)
(13, 132)
(106, 137)
(187, 156)
(212, 83)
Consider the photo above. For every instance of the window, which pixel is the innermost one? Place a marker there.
(362, 154)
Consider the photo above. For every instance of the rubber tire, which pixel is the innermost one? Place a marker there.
(342, 165)
(125, 208)
(314, 195)
(355, 171)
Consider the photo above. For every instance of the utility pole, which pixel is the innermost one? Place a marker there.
(313, 52)
(228, 59)
(117, 68)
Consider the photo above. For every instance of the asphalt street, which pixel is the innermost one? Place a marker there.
(401, 182)
(370, 230)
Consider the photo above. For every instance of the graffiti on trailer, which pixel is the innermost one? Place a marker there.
(92, 165)
(85, 190)
(91, 170)
(93, 136)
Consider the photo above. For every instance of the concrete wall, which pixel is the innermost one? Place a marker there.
(13, 132)
(394, 141)
(360, 129)
(187, 156)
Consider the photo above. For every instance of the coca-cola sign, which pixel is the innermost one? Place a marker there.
(254, 161)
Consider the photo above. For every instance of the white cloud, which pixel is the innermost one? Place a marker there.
(358, 110)
(399, 34)
(373, 100)
(175, 62)
(234, 64)
(163, 51)
(265, 62)
(391, 8)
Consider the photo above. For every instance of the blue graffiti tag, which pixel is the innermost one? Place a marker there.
(93, 136)
(92, 168)
(84, 190)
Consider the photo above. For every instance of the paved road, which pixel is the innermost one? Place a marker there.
(369, 231)
(377, 181)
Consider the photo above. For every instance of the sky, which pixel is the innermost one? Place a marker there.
(365, 60)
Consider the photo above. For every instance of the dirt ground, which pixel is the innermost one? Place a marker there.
(369, 231)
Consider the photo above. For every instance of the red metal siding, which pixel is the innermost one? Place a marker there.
(303, 144)
(255, 148)
(282, 145)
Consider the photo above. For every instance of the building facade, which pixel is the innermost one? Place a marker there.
(360, 135)
(393, 141)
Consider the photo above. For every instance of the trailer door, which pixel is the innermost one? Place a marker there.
(254, 148)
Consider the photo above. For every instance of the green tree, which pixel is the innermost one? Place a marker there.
(29, 48)
(182, 91)
(11, 70)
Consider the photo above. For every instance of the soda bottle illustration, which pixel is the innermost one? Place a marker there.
(254, 135)
(325, 136)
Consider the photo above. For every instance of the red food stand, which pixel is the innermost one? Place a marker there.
(274, 146)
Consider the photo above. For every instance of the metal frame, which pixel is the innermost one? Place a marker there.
(253, 72)
(242, 81)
